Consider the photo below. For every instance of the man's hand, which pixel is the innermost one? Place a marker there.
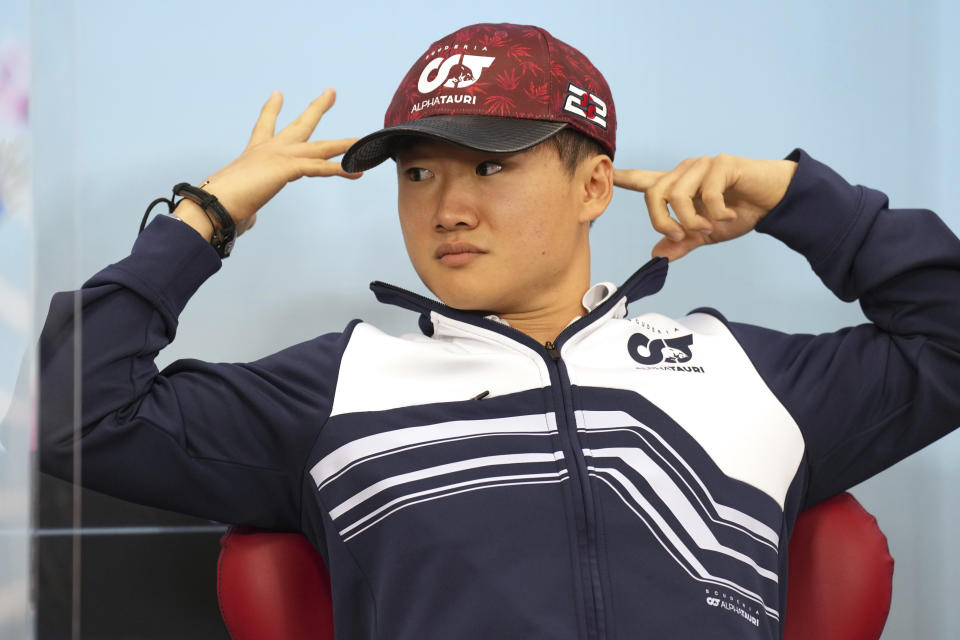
(268, 163)
(714, 199)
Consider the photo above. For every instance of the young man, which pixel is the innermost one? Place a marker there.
(538, 464)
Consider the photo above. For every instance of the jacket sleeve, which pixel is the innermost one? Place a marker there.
(867, 396)
(227, 442)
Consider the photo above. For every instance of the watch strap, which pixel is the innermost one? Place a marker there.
(224, 228)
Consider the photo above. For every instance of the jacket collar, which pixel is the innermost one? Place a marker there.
(646, 281)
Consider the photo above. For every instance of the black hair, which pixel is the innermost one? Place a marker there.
(574, 147)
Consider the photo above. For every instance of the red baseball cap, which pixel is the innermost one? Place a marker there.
(499, 88)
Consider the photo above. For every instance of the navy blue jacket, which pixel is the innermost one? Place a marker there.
(471, 483)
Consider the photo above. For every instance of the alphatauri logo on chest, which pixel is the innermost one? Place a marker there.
(670, 354)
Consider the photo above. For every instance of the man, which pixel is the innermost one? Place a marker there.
(538, 464)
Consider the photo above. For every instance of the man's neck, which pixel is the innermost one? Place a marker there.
(545, 324)
(548, 311)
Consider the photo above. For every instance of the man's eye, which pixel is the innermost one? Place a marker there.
(418, 174)
(489, 168)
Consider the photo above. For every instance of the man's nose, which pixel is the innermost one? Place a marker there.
(457, 207)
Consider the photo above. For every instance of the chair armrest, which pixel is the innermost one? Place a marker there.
(840, 574)
(273, 585)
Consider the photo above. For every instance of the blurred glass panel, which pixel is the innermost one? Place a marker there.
(16, 307)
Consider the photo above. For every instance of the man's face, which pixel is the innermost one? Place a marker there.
(501, 233)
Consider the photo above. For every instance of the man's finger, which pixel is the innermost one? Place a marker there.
(325, 168)
(302, 128)
(636, 179)
(673, 250)
(656, 198)
(682, 193)
(325, 149)
(711, 192)
(267, 122)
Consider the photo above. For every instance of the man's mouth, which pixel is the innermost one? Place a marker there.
(456, 254)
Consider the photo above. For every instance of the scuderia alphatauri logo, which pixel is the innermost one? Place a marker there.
(746, 610)
(458, 71)
(670, 354)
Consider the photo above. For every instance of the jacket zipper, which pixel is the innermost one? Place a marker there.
(566, 423)
(553, 351)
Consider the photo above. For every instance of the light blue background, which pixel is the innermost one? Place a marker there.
(130, 98)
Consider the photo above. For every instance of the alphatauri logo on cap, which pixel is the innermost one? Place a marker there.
(456, 72)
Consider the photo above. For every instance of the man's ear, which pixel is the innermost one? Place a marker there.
(595, 174)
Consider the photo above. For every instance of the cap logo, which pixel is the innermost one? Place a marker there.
(582, 103)
(456, 72)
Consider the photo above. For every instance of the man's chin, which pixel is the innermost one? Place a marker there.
(465, 304)
(475, 291)
(467, 300)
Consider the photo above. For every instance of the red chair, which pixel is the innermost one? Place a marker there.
(274, 585)
(841, 574)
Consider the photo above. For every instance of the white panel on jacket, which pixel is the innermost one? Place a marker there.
(698, 374)
(379, 371)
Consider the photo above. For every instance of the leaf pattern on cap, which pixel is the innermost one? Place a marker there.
(497, 39)
(531, 67)
(499, 105)
(508, 79)
(538, 92)
(557, 70)
(518, 51)
(476, 87)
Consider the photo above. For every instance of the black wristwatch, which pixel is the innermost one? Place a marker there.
(224, 228)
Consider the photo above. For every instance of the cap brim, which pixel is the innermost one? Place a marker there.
(481, 133)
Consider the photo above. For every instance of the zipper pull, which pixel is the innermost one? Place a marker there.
(552, 350)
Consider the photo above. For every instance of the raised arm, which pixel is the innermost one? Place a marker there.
(222, 441)
(866, 396)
